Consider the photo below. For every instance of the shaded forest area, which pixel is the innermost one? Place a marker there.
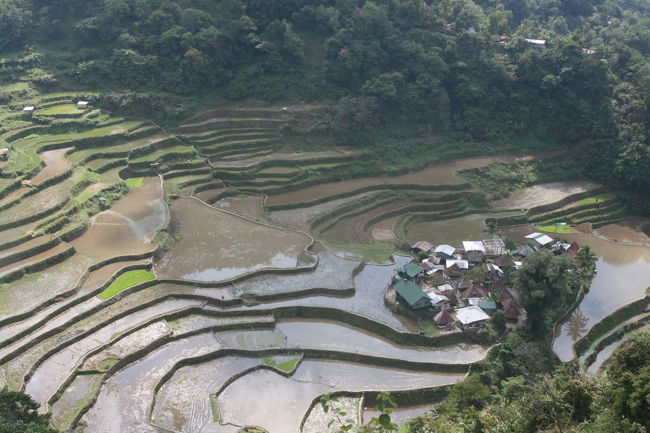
(401, 67)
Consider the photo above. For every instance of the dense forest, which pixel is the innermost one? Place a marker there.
(477, 69)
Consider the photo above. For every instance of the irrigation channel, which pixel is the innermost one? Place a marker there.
(204, 279)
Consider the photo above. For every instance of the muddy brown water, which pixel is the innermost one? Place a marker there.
(623, 274)
(438, 174)
(629, 230)
(217, 245)
(128, 227)
(249, 206)
(544, 193)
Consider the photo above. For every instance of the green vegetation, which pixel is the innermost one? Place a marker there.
(561, 229)
(18, 414)
(285, 365)
(60, 109)
(595, 199)
(134, 182)
(106, 363)
(126, 280)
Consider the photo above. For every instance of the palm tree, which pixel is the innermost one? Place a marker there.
(586, 258)
(492, 227)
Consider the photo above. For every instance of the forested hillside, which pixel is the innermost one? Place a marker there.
(416, 67)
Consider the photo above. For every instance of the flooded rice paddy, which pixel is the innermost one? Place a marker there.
(216, 245)
(198, 359)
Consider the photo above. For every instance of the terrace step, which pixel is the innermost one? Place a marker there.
(247, 150)
(235, 145)
(242, 156)
(216, 133)
(214, 141)
(27, 249)
(177, 173)
(222, 123)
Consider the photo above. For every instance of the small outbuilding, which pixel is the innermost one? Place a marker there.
(412, 294)
(439, 301)
(454, 271)
(423, 246)
(573, 249)
(488, 305)
(525, 251)
(462, 264)
(82, 105)
(474, 257)
(443, 319)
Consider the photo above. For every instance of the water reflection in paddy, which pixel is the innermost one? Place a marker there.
(339, 337)
(216, 245)
(312, 379)
(623, 276)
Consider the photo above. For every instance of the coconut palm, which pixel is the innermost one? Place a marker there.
(586, 258)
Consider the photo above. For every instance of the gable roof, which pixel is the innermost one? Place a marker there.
(573, 249)
(462, 264)
(525, 251)
(475, 257)
(411, 269)
(487, 304)
(422, 246)
(445, 249)
(471, 314)
(540, 238)
(472, 292)
(504, 261)
(453, 271)
(410, 291)
(443, 318)
(436, 298)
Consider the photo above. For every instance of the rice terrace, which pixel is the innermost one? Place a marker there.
(152, 277)
(317, 216)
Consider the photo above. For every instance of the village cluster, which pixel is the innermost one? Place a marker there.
(466, 286)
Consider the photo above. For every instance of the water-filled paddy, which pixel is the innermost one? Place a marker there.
(217, 245)
(623, 274)
(281, 402)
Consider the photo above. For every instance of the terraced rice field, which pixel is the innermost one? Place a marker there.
(140, 291)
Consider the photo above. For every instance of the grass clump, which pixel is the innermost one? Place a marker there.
(124, 281)
(287, 365)
(134, 182)
(106, 363)
(595, 199)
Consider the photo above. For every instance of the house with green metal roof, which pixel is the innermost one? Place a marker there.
(412, 294)
(488, 305)
(410, 270)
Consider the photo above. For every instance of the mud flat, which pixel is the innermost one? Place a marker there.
(438, 174)
(545, 193)
(312, 378)
(629, 231)
(55, 164)
(128, 227)
(249, 206)
(217, 245)
(453, 231)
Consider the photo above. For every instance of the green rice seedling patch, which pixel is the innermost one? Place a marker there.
(60, 109)
(282, 363)
(134, 182)
(376, 252)
(564, 229)
(595, 199)
(106, 363)
(126, 280)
